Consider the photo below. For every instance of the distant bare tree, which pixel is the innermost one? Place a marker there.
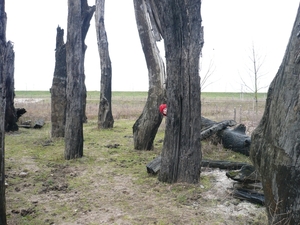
(207, 74)
(105, 117)
(255, 74)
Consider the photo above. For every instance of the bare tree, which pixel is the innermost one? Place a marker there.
(180, 25)
(79, 16)
(275, 143)
(146, 126)
(255, 74)
(105, 117)
(206, 75)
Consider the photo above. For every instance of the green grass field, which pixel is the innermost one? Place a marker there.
(128, 94)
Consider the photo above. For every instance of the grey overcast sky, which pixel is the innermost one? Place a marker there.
(231, 28)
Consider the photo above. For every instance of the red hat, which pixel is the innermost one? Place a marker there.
(162, 108)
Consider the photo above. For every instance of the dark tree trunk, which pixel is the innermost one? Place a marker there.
(105, 117)
(75, 83)
(87, 14)
(58, 89)
(79, 16)
(145, 128)
(3, 65)
(275, 147)
(78, 23)
(10, 112)
(180, 24)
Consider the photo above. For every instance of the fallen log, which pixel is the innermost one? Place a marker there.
(236, 139)
(246, 175)
(153, 167)
(216, 127)
(224, 165)
(210, 128)
(37, 124)
(248, 186)
(250, 196)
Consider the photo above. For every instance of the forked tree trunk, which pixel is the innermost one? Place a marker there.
(3, 64)
(58, 89)
(59, 82)
(275, 147)
(87, 14)
(145, 128)
(105, 117)
(180, 24)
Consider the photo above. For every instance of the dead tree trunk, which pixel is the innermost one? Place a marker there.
(105, 117)
(275, 147)
(58, 89)
(3, 65)
(145, 128)
(10, 112)
(79, 15)
(180, 25)
(87, 14)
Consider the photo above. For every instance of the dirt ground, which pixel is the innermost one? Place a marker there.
(110, 197)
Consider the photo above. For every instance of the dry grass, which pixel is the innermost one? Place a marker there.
(110, 185)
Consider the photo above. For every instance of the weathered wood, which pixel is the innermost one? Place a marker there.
(210, 129)
(58, 89)
(105, 117)
(247, 174)
(182, 33)
(10, 111)
(3, 70)
(248, 186)
(75, 82)
(39, 123)
(79, 16)
(153, 166)
(275, 147)
(216, 127)
(221, 164)
(146, 126)
(236, 139)
(249, 195)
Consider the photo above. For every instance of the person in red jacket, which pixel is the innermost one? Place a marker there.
(163, 109)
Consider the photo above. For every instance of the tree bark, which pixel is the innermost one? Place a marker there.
(58, 89)
(235, 139)
(105, 117)
(275, 147)
(3, 49)
(79, 16)
(180, 25)
(87, 14)
(10, 112)
(146, 126)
